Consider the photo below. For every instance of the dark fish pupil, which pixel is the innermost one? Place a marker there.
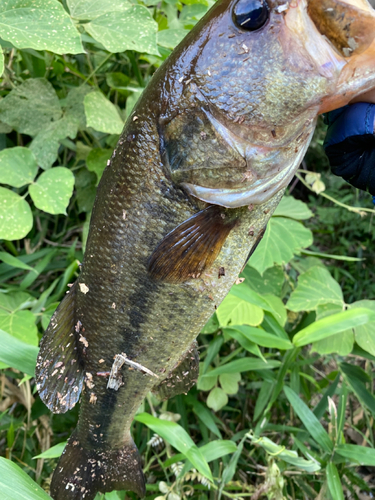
(250, 14)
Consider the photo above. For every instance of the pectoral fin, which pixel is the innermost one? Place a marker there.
(59, 373)
(182, 378)
(192, 246)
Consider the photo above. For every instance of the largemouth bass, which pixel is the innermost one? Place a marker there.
(201, 165)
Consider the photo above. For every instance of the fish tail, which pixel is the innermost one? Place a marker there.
(82, 473)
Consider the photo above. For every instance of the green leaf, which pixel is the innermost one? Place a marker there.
(101, 114)
(18, 354)
(309, 420)
(236, 334)
(205, 383)
(90, 9)
(171, 37)
(40, 25)
(14, 262)
(20, 324)
(139, 35)
(229, 382)
(217, 449)
(289, 456)
(244, 365)
(359, 455)
(1, 62)
(245, 293)
(16, 218)
(283, 238)
(365, 334)
(177, 437)
(46, 143)
(53, 452)
(315, 287)
(263, 338)
(292, 208)
(271, 281)
(341, 343)
(334, 483)
(204, 415)
(52, 190)
(15, 484)
(217, 399)
(17, 166)
(355, 377)
(331, 325)
(31, 106)
(237, 312)
(97, 160)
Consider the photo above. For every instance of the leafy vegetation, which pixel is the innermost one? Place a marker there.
(284, 405)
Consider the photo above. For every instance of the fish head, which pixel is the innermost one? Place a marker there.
(253, 77)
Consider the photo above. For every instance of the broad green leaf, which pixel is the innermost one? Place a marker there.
(331, 325)
(20, 324)
(289, 456)
(97, 160)
(31, 106)
(365, 334)
(247, 294)
(16, 218)
(278, 306)
(309, 420)
(292, 208)
(205, 383)
(17, 166)
(52, 190)
(90, 9)
(283, 238)
(244, 365)
(341, 343)
(14, 262)
(15, 484)
(229, 382)
(171, 37)
(18, 354)
(46, 143)
(217, 399)
(263, 338)
(359, 455)
(74, 109)
(217, 449)
(271, 281)
(1, 62)
(53, 452)
(139, 35)
(177, 437)
(101, 114)
(237, 312)
(315, 287)
(40, 25)
(334, 482)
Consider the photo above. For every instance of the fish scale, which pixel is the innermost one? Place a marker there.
(201, 165)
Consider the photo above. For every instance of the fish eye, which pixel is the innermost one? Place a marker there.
(250, 14)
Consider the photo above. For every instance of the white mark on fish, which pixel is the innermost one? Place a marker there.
(245, 48)
(83, 340)
(115, 378)
(124, 214)
(239, 281)
(113, 305)
(93, 398)
(84, 288)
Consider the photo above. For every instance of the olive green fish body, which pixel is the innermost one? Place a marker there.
(200, 167)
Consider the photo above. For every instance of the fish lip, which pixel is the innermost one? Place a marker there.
(257, 193)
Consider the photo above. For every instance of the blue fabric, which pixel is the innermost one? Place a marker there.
(352, 120)
(350, 144)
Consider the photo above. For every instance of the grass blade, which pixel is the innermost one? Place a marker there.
(309, 420)
(334, 483)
